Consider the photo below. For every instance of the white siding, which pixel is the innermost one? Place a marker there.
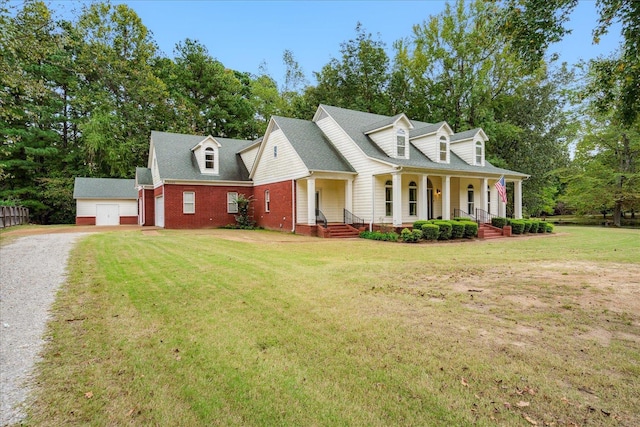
(331, 199)
(301, 201)
(249, 156)
(429, 145)
(287, 165)
(386, 139)
(466, 150)
(87, 207)
(364, 166)
(155, 173)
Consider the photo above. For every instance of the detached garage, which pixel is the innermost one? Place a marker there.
(105, 201)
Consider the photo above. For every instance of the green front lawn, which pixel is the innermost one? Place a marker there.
(226, 327)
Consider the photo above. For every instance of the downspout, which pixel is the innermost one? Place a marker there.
(293, 206)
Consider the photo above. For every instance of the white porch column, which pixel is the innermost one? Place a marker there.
(484, 203)
(423, 209)
(517, 199)
(311, 201)
(348, 195)
(397, 199)
(446, 197)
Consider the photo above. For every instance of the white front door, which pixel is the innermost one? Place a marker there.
(107, 215)
(160, 211)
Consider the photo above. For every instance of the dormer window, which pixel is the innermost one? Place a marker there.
(443, 149)
(479, 153)
(209, 158)
(401, 143)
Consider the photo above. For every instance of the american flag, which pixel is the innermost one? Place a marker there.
(502, 189)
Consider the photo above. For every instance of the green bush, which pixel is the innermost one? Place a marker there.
(534, 226)
(527, 225)
(498, 221)
(541, 227)
(470, 229)
(517, 226)
(410, 236)
(378, 235)
(419, 223)
(457, 229)
(548, 227)
(430, 231)
(445, 229)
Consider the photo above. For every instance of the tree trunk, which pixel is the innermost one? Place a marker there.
(617, 213)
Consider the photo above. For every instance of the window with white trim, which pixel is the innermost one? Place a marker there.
(275, 151)
(478, 153)
(388, 198)
(188, 202)
(232, 202)
(401, 143)
(443, 149)
(470, 200)
(267, 200)
(209, 158)
(413, 199)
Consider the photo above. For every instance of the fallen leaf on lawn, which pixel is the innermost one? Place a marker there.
(88, 394)
(464, 382)
(178, 357)
(522, 404)
(507, 405)
(532, 422)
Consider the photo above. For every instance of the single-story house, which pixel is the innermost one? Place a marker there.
(105, 201)
(340, 169)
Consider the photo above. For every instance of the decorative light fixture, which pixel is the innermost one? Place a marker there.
(438, 191)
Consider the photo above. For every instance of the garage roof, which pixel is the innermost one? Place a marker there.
(104, 188)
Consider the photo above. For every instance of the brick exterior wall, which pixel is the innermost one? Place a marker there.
(85, 220)
(210, 209)
(149, 205)
(281, 206)
(128, 220)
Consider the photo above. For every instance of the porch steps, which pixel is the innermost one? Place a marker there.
(341, 231)
(486, 231)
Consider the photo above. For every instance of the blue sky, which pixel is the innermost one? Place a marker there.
(244, 34)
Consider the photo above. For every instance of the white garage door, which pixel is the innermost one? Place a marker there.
(107, 215)
(160, 211)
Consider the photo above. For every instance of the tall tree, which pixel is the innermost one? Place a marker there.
(119, 95)
(359, 80)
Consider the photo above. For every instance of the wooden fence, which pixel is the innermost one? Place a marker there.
(13, 215)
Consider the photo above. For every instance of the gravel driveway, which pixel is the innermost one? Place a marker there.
(31, 270)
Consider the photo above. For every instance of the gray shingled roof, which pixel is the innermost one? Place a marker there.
(143, 176)
(176, 161)
(464, 135)
(424, 130)
(387, 121)
(317, 153)
(104, 188)
(355, 123)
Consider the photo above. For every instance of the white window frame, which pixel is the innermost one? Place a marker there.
(232, 202)
(188, 202)
(388, 198)
(209, 151)
(413, 188)
(479, 150)
(401, 143)
(445, 152)
(267, 200)
(471, 199)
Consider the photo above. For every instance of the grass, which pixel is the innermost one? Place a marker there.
(228, 327)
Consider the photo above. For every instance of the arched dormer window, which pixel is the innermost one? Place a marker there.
(209, 158)
(478, 153)
(388, 198)
(401, 143)
(443, 149)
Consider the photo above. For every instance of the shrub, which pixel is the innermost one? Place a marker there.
(534, 227)
(457, 229)
(378, 235)
(410, 236)
(419, 223)
(548, 227)
(498, 221)
(527, 225)
(445, 229)
(470, 229)
(430, 231)
(517, 226)
(541, 227)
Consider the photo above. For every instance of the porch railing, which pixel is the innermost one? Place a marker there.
(320, 218)
(353, 220)
(459, 213)
(484, 217)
